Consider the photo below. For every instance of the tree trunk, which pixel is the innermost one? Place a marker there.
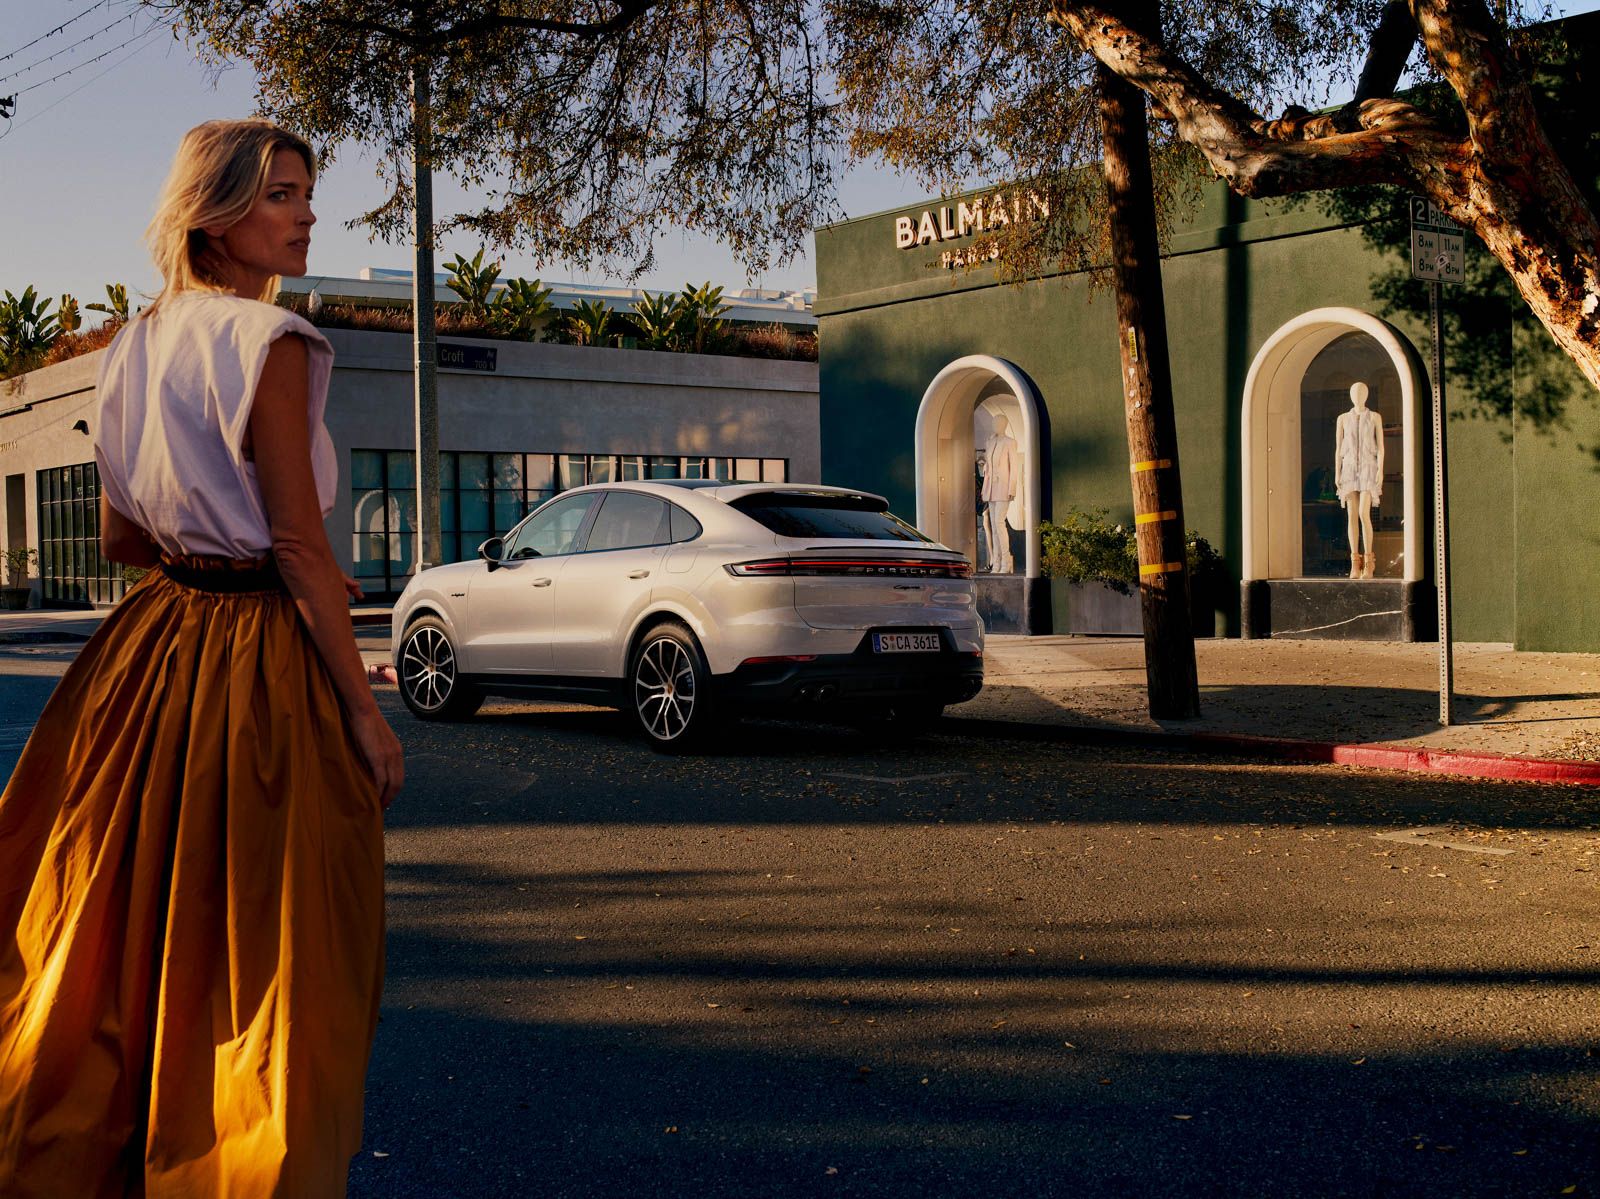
(1174, 691)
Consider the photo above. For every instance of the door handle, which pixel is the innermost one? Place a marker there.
(640, 574)
(541, 582)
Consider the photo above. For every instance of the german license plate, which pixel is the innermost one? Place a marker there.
(906, 643)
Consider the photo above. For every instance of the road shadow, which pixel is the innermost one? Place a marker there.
(644, 1062)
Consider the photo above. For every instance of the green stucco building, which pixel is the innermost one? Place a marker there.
(1273, 311)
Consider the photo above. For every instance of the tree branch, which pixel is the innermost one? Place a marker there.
(628, 12)
(1469, 50)
(1255, 156)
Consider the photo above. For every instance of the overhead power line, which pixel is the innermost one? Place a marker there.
(89, 62)
(57, 29)
(127, 16)
(143, 41)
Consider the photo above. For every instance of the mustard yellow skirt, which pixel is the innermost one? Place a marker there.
(191, 909)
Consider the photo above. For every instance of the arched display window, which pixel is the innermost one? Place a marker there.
(1345, 457)
(1331, 451)
(978, 465)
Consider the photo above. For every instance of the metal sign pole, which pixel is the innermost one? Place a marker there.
(1441, 523)
(1438, 255)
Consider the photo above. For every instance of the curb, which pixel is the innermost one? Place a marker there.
(42, 637)
(1412, 759)
(1417, 759)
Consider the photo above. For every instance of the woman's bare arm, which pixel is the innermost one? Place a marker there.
(281, 435)
(121, 540)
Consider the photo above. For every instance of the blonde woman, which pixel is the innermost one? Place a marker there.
(191, 847)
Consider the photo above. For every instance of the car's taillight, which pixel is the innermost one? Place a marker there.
(857, 568)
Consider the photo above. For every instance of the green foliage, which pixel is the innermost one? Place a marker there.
(116, 305)
(473, 281)
(702, 311)
(1087, 548)
(662, 321)
(18, 559)
(588, 323)
(27, 331)
(68, 318)
(132, 574)
(521, 309)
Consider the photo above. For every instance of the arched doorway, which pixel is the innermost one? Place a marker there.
(979, 463)
(1295, 523)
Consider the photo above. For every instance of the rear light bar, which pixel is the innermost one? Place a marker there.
(779, 658)
(857, 568)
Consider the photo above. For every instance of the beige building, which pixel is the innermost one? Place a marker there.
(518, 422)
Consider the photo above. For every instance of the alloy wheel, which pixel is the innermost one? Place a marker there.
(664, 689)
(428, 669)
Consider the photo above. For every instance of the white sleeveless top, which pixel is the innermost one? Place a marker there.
(175, 391)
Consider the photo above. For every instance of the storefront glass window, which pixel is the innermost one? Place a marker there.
(1325, 521)
(71, 570)
(483, 494)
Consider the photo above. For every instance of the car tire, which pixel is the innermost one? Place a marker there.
(669, 689)
(429, 672)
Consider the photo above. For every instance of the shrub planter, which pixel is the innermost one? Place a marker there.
(15, 599)
(1094, 608)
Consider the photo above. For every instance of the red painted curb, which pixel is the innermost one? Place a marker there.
(1417, 759)
(364, 618)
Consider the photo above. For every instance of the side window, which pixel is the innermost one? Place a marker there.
(684, 526)
(551, 530)
(628, 520)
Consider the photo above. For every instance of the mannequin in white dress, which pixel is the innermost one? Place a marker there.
(1358, 469)
(999, 489)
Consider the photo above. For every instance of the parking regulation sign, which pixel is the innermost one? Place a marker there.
(1438, 249)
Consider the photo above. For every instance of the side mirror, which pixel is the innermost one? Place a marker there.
(491, 550)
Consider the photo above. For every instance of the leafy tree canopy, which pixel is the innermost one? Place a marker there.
(589, 124)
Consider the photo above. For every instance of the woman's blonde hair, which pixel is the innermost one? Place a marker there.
(216, 177)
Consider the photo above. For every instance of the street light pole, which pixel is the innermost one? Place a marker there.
(430, 542)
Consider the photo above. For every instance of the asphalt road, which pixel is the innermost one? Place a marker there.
(978, 963)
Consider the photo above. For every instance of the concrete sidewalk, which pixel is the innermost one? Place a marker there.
(1320, 700)
(1322, 693)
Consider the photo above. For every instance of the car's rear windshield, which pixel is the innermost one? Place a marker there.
(839, 516)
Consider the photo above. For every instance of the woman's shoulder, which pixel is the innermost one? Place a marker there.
(238, 319)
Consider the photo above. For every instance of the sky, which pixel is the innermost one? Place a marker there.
(84, 155)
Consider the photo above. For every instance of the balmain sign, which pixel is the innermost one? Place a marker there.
(951, 222)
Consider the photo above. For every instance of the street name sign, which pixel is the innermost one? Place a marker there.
(1438, 250)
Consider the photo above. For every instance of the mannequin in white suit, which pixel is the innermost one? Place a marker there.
(999, 489)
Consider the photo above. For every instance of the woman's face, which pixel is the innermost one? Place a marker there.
(274, 237)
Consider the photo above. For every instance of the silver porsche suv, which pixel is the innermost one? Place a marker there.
(688, 603)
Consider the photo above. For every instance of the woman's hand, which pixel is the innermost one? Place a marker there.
(353, 589)
(381, 748)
